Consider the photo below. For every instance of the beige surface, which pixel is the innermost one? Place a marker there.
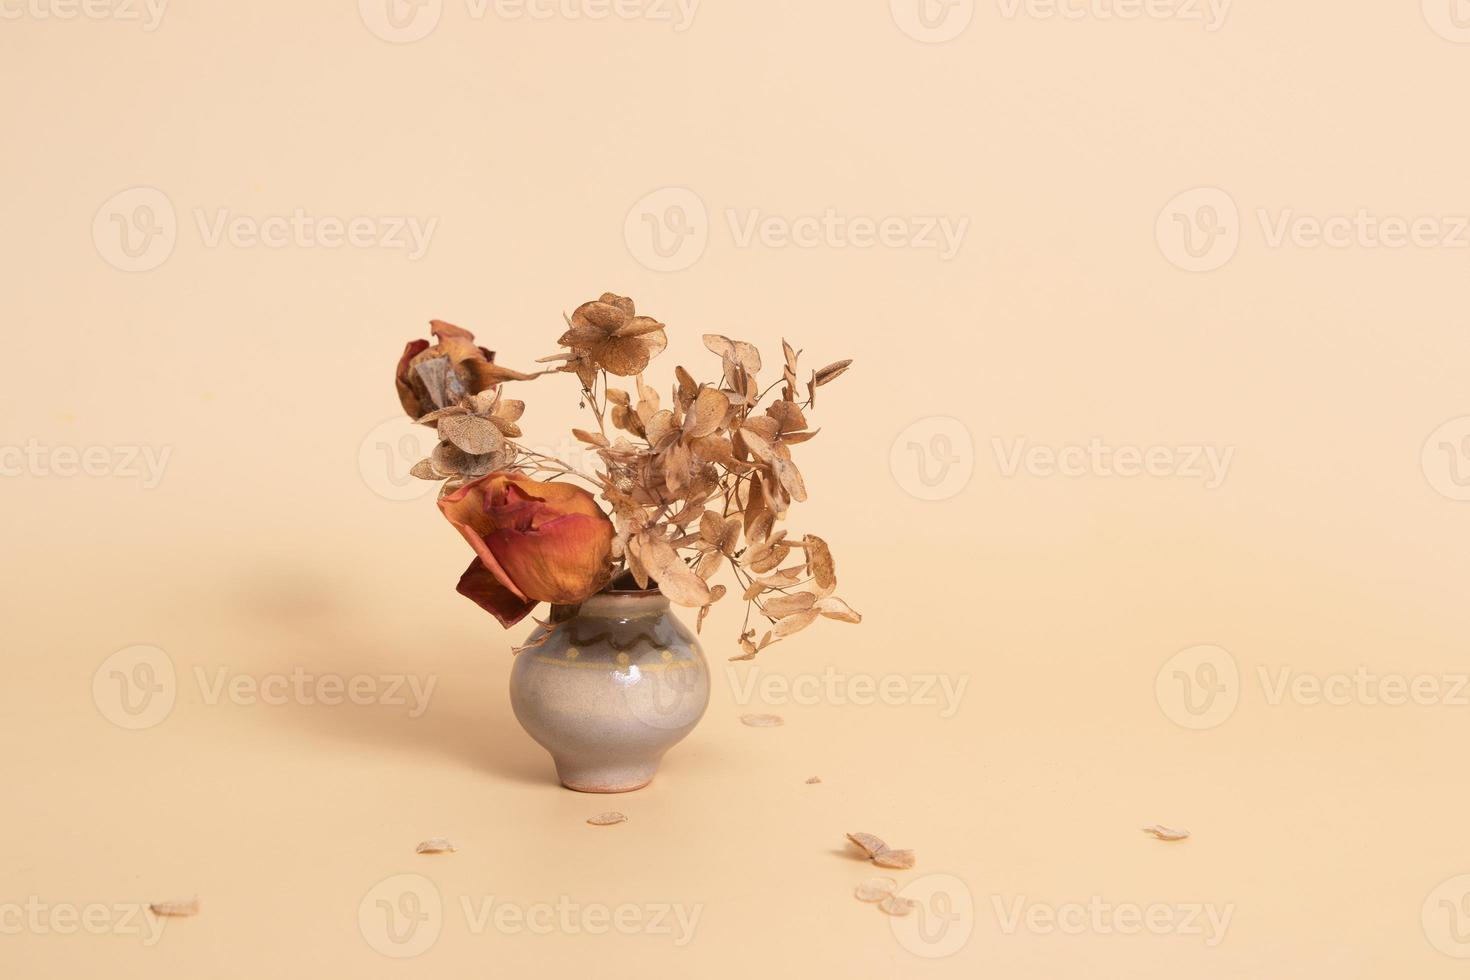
(271, 545)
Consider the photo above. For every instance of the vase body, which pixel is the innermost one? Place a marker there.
(614, 686)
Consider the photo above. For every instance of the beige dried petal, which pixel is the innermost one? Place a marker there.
(722, 346)
(714, 449)
(795, 623)
(754, 444)
(711, 526)
(902, 860)
(869, 843)
(591, 438)
(638, 326)
(510, 409)
(831, 372)
(785, 605)
(178, 908)
(898, 905)
(790, 478)
(788, 415)
(730, 535)
(762, 721)
(1160, 832)
(507, 428)
(797, 438)
(772, 560)
(706, 414)
(471, 433)
(443, 413)
(819, 560)
(424, 470)
(708, 564)
(762, 425)
(435, 845)
(607, 819)
(814, 780)
(876, 889)
(789, 353)
(834, 608)
(880, 853)
(675, 579)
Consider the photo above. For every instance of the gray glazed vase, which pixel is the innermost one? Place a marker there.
(616, 684)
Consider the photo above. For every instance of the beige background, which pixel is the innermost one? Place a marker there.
(276, 540)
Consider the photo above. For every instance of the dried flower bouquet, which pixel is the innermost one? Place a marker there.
(686, 490)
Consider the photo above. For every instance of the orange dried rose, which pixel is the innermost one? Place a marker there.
(536, 542)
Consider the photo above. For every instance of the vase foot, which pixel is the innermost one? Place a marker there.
(605, 778)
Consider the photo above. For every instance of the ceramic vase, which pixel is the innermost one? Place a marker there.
(615, 685)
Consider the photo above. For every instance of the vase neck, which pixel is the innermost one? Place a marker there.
(624, 605)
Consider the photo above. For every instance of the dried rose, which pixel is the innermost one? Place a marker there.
(432, 376)
(608, 334)
(536, 542)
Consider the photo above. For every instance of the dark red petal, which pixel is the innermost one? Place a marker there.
(481, 586)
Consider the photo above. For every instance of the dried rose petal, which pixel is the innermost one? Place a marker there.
(1160, 832)
(881, 854)
(435, 845)
(902, 860)
(870, 844)
(876, 889)
(606, 819)
(177, 909)
(762, 721)
(897, 905)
